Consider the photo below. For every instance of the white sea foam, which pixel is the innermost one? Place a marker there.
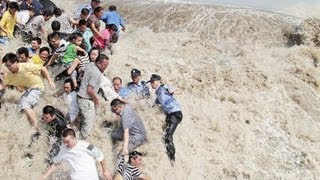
(250, 101)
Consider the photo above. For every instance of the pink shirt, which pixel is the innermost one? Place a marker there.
(99, 42)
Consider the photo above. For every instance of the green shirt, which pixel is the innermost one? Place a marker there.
(70, 54)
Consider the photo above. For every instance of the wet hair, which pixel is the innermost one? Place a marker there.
(83, 45)
(55, 25)
(47, 13)
(30, 8)
(85, 11)
(117, 78)
(57, 12)
(112, 27)
(53, 111)
(112, 8)
(54, 35)
(101, 57)
(71, 83)
(97, 24)
(68, 132)
(94, 48)
(23, 50)
(39, 41)
(74, 36)
(48, 110)
(45, 48)
(10, 57)
(134, 155)
(82, 22)
(14, 5)
(97, 9)
(116, 102)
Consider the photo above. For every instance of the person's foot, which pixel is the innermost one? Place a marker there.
(106, 124)
(28, 155)
(35, 136)
(172, 163)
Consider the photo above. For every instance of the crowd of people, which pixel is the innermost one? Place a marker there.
(77, 45)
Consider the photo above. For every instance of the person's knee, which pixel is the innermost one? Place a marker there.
(116, 136)
(168, 138)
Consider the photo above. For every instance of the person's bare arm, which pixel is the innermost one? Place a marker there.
(105, 172)
(93, 95)
(51, 60)
(42, 30)
(4, 30)
(125, 150)
(78, 48)
(50, 170)
(73, 21)
(46, 75)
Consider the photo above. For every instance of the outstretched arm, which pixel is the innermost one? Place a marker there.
(50, 170)
(46, 75)
(125, 150)
(105, 172)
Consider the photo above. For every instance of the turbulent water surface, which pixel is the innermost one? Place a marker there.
(249, 97)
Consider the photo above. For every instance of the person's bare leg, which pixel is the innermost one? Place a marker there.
(73, 65)
(74, 81)
(32, 117)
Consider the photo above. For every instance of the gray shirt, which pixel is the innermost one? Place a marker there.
(131, 120)
(91, 77)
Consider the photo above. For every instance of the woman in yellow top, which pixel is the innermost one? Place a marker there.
(42, 57)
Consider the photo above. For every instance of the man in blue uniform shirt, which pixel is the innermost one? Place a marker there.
(137, 86)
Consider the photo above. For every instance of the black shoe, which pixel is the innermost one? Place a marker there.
(28, 155)
(106, 124)
(60, 76)
(35, 136)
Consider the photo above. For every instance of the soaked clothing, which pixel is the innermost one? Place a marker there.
(80, 7)
(166, 100)
(141, 89)
(38, 7)
(29, 98)
(99, 42)
(112, 17)
(34, 25)
(172, 121)
(81, 160)
(70, 54)
(71, 99)
(137, 132)
(128, 171)
(55, 129)
(37, 60)
(86, 38)
(91, 77)
(7, 22)
(124, 93)
(174, 116)
(28, 76)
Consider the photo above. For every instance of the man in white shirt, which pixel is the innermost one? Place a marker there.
(80, 156)
(70, 96)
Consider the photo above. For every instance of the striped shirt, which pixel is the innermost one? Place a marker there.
(84, 60)
(128, 171)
